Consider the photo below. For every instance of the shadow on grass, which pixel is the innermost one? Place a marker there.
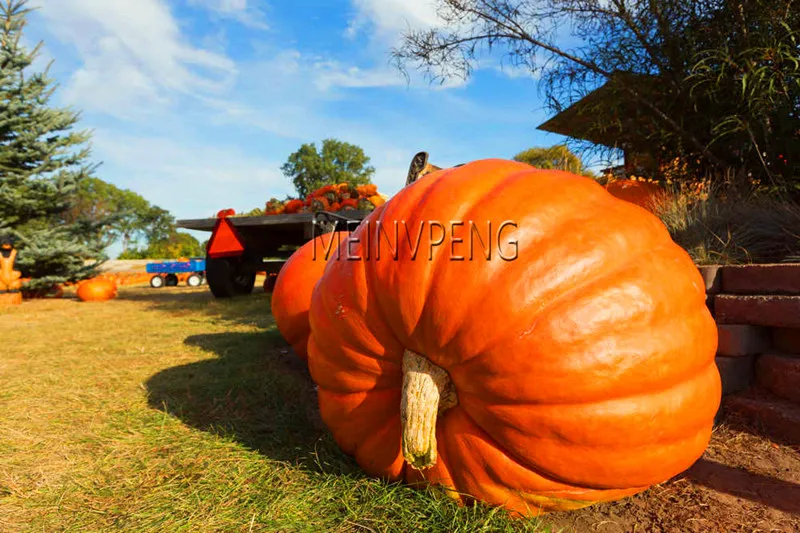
(256, 392)
(251, 310)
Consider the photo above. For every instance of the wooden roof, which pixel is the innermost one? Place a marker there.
(596, 117)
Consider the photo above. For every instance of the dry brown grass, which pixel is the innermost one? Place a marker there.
(733, 230)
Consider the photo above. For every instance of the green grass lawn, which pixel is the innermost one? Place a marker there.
(165, 410)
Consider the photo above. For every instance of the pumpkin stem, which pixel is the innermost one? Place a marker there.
(427, 392)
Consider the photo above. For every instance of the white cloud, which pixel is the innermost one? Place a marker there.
(389, 18)
(294, 68)
(386, 21)
(134, 56)
(238, 10)
(188, 178)
(332, 74)
(223, 6)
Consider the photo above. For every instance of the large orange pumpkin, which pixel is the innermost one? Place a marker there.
(96, 290)
(291, 295)
(578, 369)
(642, 193)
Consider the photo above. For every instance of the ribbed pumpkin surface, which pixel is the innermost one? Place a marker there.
(584, 368)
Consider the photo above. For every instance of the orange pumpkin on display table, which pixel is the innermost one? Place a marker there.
(291, 293)
(293, 206)
(96, 290)
(645, 194)
(571, 364)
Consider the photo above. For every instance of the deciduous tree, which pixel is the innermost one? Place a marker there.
(714, 82)
(337, 162)
(558, 157)
(120, 214)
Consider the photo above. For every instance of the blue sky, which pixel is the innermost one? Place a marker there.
(195, 104)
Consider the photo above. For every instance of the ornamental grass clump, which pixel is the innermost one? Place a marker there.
(718, 227)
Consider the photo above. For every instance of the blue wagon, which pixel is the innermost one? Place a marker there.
(165, 273)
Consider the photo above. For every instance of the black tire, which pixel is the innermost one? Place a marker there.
(194, 280)
(156, 282)
(226, 278)
(171, 280)
(245, 283)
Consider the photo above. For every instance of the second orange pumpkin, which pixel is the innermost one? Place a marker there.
(291, 295)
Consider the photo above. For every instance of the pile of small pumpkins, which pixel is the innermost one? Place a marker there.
(333, 198)
(582, 371)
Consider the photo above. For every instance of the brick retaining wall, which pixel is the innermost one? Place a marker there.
(757, 310)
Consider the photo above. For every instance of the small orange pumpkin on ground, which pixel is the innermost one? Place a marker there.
(96, 290)
(578, 369)
(291, 294)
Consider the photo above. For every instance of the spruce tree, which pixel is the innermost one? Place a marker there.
(42, 161)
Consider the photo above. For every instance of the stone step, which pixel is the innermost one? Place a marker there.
(737, 373)
(774, 311)
(712, 276)
(737, 340)
(776, 417)
(780, 375)
(761, 279)
(786, 340)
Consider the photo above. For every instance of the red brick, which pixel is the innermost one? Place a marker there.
(779, 375)
(777, 417)
(778, 311)
(786, 340)
(737, 373)
(761, 279)
(737, 340)
(712, 275)
(710, 303)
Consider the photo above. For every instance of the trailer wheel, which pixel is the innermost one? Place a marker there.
(156, 282)
(171, 280)
(227, 278)
(194, 280)
(244, 283)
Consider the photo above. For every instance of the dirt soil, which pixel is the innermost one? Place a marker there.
(743, 483)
